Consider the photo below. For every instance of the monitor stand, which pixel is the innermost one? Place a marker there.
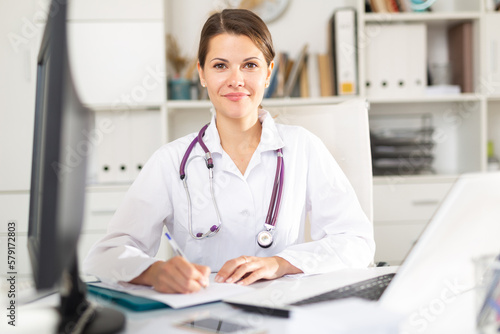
(77, 314)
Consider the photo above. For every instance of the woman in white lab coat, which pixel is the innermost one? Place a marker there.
(220, 233)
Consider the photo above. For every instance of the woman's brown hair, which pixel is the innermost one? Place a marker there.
(237, 22)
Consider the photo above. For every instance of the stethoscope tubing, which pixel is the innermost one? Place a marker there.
(274, 205)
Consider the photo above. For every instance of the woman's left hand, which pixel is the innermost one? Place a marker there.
(245, 270)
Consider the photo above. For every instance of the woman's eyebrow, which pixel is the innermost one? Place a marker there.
(227, 61)
(220, 59)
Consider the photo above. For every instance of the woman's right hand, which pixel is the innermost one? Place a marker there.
(177, 275)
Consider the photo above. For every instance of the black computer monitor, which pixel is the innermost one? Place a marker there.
(58, 177)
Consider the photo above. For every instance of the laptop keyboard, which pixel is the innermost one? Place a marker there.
(370, 289)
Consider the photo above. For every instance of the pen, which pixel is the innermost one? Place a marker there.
(175, 247)
(179, 252)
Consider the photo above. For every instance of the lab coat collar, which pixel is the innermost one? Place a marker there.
(270, 139)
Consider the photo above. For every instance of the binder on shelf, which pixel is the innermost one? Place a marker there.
(145, 139)
(460, 48)
(396, 60)
(491, 84)
(125, 141)
(109, 127)
(344, 50)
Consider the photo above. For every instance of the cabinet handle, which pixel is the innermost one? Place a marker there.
(425, 202)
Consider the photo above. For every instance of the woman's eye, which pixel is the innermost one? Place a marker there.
(251, 65)
(220, 66)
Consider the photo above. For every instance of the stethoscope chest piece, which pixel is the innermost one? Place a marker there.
(265, 239)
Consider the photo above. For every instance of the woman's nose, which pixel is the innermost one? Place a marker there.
(236, 79)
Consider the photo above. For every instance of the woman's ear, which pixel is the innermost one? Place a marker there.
(269, 72)
(202, 75)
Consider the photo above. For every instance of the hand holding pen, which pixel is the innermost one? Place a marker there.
(178, 252)
(176, 275)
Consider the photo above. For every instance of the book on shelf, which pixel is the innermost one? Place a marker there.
(295, 71)
(392, 6)
(313, 75)
(378, 6)
(273, 81)
(304, 81)
(325, 75)
(344, 48)
(460, 46)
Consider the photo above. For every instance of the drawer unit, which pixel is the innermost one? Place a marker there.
(100, 206)
(407, 202)
(402, 208)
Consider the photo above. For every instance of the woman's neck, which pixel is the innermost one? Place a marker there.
(239, 138)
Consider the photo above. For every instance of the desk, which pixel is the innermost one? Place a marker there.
(457, 318)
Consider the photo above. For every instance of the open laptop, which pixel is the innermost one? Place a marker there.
(466, 226)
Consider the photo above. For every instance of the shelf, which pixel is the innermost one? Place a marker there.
(292, 101)
(385, 18)
(426, 99)
(493, 98)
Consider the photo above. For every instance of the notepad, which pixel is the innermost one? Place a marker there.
(123, 294)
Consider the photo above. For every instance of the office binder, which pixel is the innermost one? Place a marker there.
(491, 81)
(124, 299)
(125, 140)
(344, 51)
(396, 60)
(460, 48)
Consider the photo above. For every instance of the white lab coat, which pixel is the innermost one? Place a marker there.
(313, 183)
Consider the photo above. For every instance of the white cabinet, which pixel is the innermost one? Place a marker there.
(402, 208)
(117, 52)
(19, 44)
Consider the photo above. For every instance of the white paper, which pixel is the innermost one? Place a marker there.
(214, 292)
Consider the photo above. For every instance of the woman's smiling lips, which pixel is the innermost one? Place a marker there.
(235, 96)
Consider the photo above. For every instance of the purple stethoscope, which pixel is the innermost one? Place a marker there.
(265, 237)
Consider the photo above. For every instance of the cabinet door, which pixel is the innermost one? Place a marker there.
(407, 202)
(21, 35)
(118, 63)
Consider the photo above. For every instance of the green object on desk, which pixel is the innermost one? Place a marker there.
(129, 301)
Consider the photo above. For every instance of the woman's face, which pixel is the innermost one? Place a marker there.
(235, 74)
